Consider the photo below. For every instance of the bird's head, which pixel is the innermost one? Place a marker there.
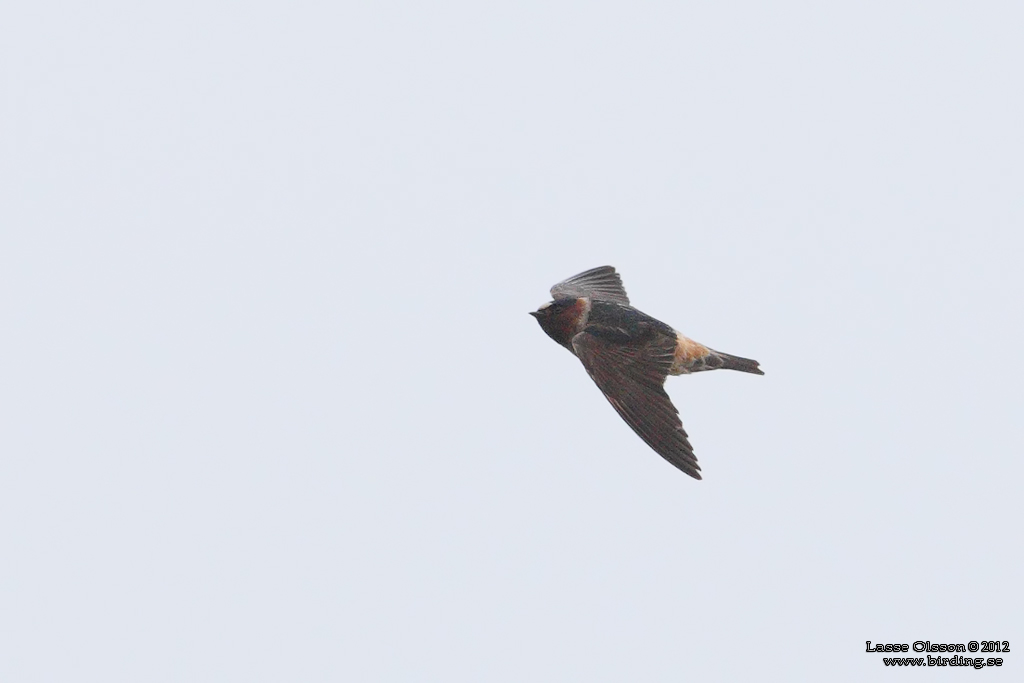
(562, 319)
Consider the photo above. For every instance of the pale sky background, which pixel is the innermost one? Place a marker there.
(273, 408)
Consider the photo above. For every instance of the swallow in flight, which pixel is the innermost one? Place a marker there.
(629, 354)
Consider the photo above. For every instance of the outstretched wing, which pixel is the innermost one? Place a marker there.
(630, 370)
(601, 283)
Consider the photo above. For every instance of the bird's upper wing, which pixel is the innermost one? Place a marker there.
(597, 283)
(630, 369)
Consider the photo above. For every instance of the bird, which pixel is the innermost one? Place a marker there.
(629, 355)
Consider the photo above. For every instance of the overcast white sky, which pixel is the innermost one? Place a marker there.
(273, 408)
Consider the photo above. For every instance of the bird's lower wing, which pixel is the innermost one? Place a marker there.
(631, 372)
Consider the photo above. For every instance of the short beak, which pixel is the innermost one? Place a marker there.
(535, 314)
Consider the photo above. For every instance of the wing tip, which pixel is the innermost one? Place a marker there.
(687, 468)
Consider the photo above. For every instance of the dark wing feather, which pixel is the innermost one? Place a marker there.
(631, 370)
(601, 283)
